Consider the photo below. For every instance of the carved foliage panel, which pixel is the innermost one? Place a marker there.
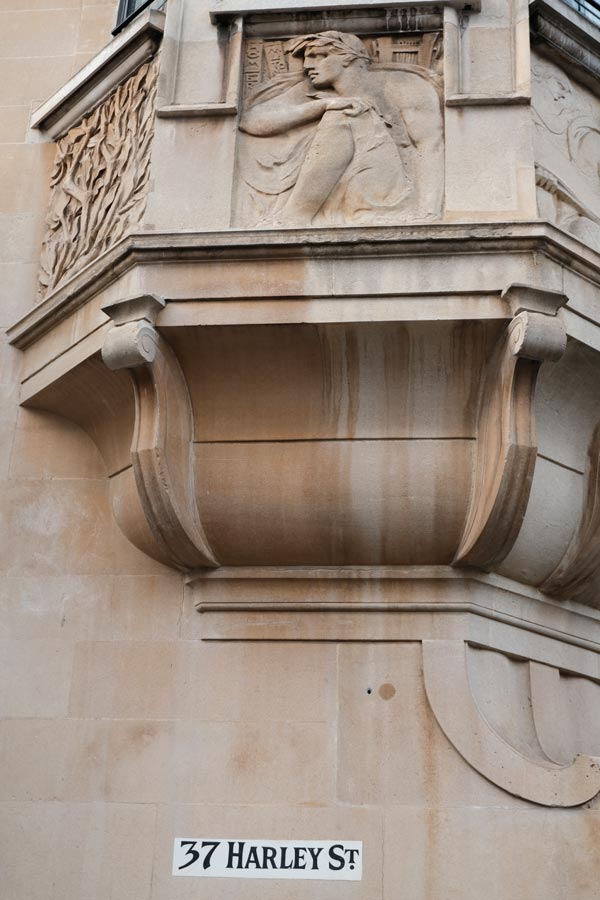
(99, 181)
(566, 116)
(340, 129)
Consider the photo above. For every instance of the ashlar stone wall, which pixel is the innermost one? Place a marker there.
(332, 382)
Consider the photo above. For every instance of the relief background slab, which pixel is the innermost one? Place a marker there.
(361, 145)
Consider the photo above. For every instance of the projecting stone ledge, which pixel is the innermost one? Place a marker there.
(349, 393)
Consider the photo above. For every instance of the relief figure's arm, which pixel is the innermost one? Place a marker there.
(423, 121)
(429, 175)
(274, 117)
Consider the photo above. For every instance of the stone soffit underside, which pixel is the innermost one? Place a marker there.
(109, 285)
(154, 336)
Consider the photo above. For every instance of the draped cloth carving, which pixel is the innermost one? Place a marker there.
(342, 132)
(567, 147)
(98, 186)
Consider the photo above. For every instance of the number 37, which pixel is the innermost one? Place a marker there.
(195, 854)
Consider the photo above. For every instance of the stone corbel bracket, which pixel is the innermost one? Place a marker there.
(506, 435)
(455, 709)
(162, 444)
(577, 576)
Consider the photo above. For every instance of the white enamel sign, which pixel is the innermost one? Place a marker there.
(246, 858)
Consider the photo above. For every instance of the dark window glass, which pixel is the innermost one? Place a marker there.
(128, 9)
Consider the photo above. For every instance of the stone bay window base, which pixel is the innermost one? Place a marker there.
(332, 318)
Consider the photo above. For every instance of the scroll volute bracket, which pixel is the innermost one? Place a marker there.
(506, 434)
(162, 449)
(577, 576)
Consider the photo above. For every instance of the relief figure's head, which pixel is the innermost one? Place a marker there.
(328, 54)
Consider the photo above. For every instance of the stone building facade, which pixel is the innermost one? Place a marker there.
(300, 453)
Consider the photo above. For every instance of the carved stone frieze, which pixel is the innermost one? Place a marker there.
(99, 182)
(559, 205)
(567, 149)
(341, 130)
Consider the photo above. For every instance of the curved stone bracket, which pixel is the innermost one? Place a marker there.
(162, 445)
(544, 683)
(577, 576)
(453, 705)
(506, 439)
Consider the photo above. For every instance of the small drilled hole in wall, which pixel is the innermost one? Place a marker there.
(369, 690)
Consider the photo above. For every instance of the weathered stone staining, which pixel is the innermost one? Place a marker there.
(303, 496)
(336, 139)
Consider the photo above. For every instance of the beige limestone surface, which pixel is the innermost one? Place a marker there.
(334, 381)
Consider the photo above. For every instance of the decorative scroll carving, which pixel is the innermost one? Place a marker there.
(560, 206)
(577, 576)
(506, 439)
(453, 705)
(133, 344)
(162, 445)
(337, 130)
(98, 186)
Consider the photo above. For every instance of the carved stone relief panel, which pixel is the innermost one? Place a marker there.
(567, 151)
(338, 129)
(98, 185)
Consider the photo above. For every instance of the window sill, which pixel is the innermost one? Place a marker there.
(134, 45)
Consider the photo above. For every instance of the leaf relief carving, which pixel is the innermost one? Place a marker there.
(98, 185)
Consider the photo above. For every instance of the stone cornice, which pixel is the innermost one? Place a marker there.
(227, 9)
(560, 31)
(466, 591)
(273, 245)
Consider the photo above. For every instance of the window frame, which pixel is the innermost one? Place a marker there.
(589, 9)
(125, 16)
